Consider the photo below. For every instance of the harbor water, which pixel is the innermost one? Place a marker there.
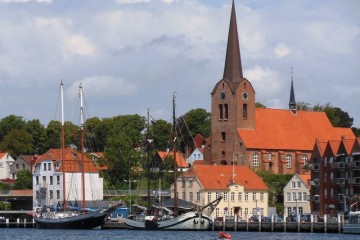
(50, 234)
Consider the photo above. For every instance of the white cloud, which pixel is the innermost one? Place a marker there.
(132, 1)
(77, 44)
(281, 50)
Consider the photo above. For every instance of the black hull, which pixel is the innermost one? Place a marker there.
(83, 221)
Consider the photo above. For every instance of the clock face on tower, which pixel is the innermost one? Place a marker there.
(223, 95)
(245, 95)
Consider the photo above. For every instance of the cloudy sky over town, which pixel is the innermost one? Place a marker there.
(131, 55)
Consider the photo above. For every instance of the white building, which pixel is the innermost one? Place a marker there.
(5, 162)
(196, 155)
(48, 178)
(296, 194)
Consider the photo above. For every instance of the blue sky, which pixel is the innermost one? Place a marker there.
(131, 55)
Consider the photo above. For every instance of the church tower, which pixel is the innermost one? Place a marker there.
(232, 104)
(292, 102)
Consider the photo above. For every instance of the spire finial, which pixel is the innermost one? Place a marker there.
(292, 102)
(233, 68)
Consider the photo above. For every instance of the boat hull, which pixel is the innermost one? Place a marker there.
(83, 221)
(187, 221)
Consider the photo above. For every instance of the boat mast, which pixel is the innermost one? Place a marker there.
(82, 147)
(175, 169)
(63, 143)
(148, 145)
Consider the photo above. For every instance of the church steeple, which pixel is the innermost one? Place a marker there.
(292, 102)
(233, 68)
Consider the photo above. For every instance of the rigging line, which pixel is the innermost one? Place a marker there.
(187, 128)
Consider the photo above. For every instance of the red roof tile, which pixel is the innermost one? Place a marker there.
(305, 178)
(180, 161)
(218, 177)
(280, 129)
(72, 159)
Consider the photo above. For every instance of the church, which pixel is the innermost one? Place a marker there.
(279, 140)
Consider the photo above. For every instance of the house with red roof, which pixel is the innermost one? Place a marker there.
(335, 176)
(279, 140)
(296, 196)
(21, 163)
(5, 164)
(48, 178)
(162, 156)
(244, 193)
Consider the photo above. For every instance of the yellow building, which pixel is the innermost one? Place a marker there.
(243, 191)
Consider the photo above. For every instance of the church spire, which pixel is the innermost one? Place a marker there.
(233, 68)
(292, 102)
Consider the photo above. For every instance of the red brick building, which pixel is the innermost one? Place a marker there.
(275, 139)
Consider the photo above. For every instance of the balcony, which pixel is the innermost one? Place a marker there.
(339, 165)
(355, 180)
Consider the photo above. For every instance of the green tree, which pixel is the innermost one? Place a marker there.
(38, 132)
(53, 135)
(337, 117)
(23, 180)
(161, 133)
(9, 123)
(193, 122)
(303, 106)
(259, 105)
(16, 142)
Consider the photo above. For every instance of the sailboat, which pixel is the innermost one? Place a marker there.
(64, 217)
(174, 217)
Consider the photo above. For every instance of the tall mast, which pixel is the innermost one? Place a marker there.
(148, 145)
(175, 169)
(82, 147)
(63, 143)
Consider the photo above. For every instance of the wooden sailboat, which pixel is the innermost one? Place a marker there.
(66, 218)
(171, 219)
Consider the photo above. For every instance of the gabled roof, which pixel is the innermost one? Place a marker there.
(319, 149)
(278, 129)
(27, 158)
(218, 177)
(72, 160)
(347, 145)
(333, 146)
(305, 178)
(180, 161)
(198, 140)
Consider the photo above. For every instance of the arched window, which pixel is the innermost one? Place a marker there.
(288, 161)
(255, 160)
(304, 158)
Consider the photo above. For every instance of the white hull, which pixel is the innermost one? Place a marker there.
(187, 221)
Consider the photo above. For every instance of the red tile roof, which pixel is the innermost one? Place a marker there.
(23, 192)
(305, 178)
(281, 129)
(180, 161)
(72, 159)
(27, 158)
(218, 177)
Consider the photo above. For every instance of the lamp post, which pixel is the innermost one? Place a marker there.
(129, 181)
(296, 210)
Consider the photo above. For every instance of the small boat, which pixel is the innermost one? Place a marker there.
(224, 235)
(353, 224)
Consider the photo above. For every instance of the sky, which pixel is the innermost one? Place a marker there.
(132, 55)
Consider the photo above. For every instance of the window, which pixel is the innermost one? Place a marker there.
(304, 158)
(209, 197)
(223, 136)
(37, 180)
(221, 111)
(51, 180)
(225, 196)
(44, 166)
(244, 111)
(288, 161)
(288, 197)
(246, 211)
(299, 198)
(289, 210)
(217, 195)
(300, 210)
(191, 197)
(239, 197)
(49, 166)
(261, 197)
(298, 184)
(51, 194)
(217, 211)
(190, 182)
(44, 180)
(183, 182)
(269, 156)
(17, 166)
(232, 196)
(58, 180)
(198, 196)
(226, 108)
(223, 153)
(304, 196)
(246, 197)
(57, 194)
(293, 185)
(294, 197)
(254, 197)
(183, 195)
(255, 159)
